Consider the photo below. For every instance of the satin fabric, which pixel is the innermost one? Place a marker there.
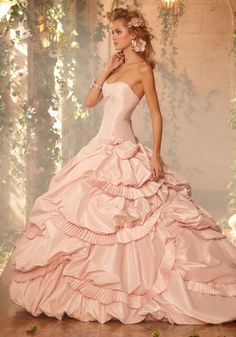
(107, 242)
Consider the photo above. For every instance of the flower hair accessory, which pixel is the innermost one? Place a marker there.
(138, 45)
(136, 22)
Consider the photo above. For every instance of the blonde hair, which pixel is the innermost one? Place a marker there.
(143, 31)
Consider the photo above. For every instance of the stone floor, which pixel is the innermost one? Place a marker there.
(14, 321)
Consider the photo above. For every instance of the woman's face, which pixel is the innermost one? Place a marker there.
(120, 35)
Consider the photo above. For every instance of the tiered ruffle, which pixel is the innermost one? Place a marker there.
(114, 239)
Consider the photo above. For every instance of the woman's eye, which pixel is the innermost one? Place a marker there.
(116, 31)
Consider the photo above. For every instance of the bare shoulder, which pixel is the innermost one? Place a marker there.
(145, 69)
(146, 75)
(145, 72)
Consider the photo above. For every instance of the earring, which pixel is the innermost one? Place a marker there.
(133, 44)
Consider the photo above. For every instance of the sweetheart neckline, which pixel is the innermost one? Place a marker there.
(127, 86)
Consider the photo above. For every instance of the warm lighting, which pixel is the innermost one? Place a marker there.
(232, 225)
(5, 6)
(41, 23)
(171, 5)
(168, 3)
(44, 38)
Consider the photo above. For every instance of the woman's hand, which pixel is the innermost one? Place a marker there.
(156, 167)
(115, 61)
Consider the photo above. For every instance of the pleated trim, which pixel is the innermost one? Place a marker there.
(33, 231)
(206, 233)
(123, 235)
(181, 188)
(210, 288)
(109, 296)
(38, 271)
(128, 192)
(166, 267)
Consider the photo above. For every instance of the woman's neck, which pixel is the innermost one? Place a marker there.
(131, 56)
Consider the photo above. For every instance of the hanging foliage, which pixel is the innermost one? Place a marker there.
(12, 149)
(31, 124)
(48, 28)
(168, 20)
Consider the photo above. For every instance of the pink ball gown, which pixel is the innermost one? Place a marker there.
(107, 242)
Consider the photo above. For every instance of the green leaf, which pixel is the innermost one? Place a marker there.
(155, 333)
(32, 330)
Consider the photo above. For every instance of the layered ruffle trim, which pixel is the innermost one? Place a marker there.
(199, 224)
(173, 209)
(168, 200)
(40, 271)
(33, 230)
(134, 300)
(206, 233)
(108, 296)
(123, 235)
(147, 190)
(211, 288)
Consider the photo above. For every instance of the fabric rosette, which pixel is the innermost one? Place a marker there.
(116, 145)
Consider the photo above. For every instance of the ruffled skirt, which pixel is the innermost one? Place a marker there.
(107, 242)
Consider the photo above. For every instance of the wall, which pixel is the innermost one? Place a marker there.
(201, 144)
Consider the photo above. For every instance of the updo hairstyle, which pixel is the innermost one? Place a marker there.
(142, 30)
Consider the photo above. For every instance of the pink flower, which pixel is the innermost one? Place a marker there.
(136, 22)
(140, 45)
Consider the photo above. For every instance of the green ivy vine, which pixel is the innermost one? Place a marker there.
(168, 20)
(31, 138)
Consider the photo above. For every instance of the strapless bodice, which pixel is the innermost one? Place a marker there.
(119, 103)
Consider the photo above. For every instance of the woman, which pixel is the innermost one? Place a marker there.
(133, 65)
(117, 235)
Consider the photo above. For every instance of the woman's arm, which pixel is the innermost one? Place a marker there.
(95, 92)
(148, 83)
